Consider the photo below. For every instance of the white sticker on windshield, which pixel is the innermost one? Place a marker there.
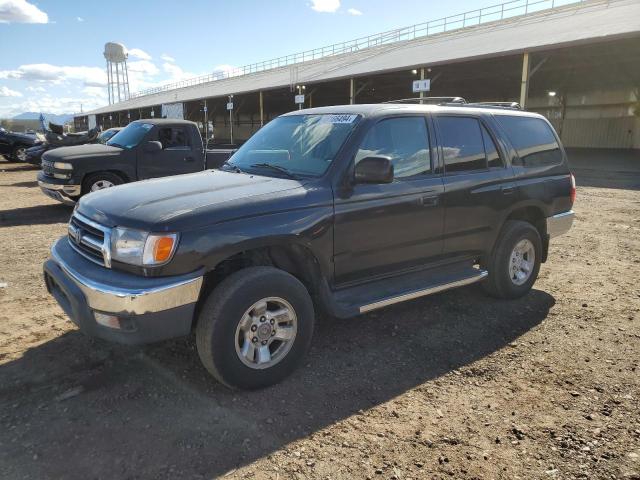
(339, 118)
(147, 126)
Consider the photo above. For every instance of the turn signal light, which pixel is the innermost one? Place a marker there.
(162, 249)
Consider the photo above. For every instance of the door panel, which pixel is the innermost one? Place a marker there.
(478, 184)
(473, 205)
(385, 228)
(380, 229)
(176, 157)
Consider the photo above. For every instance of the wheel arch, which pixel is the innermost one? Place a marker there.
(534, 214)
(294, 258)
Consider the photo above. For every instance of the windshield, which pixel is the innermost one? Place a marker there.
(130, 136)
(106, 135)
(295, 145)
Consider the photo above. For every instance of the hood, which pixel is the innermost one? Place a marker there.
(188, 202)
(81, 151)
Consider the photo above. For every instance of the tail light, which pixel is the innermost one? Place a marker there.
(573, 189)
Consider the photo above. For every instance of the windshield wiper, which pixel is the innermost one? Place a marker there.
(117, 145)
(233, 167)
(277, 168)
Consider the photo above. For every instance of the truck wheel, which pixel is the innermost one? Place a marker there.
(515, 262)
(19, 154)
(100, 181)
(255, 327)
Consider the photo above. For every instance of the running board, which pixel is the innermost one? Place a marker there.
(480, 275)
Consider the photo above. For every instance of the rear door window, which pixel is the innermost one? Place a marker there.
(533, 139)
(462, 144)
(493, 157)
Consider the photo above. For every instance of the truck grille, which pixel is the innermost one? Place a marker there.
(90, 239)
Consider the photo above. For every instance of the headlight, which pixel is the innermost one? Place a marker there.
(136, 247)
(62, 166)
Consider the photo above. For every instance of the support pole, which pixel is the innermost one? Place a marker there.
(206, 130)
(524, 85)
(231, 120)
(108, 82)
(421, 78)
(118, 80)
(261, 110)
(352, 91)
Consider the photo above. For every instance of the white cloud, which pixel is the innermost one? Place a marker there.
(7, 92)
(95, 92)
(35, 89)
(50, 104)
(229, 70)
(176, 73)
(44, 72)
(325, 6)
(137, 53)
(354, 11)
(143, 66)
(167, 58)
(21, 11)
(80, 19)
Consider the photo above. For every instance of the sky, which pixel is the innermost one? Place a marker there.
(52, 59)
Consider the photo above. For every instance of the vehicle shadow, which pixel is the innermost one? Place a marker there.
(36, 215)
(77, 408)
(33, 183)
(18, 166)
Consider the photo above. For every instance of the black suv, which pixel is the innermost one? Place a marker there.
(342, 209)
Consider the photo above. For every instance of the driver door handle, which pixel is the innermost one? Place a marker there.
(189, 159)
(429, 201)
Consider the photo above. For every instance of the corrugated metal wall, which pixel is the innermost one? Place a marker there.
(597, 132)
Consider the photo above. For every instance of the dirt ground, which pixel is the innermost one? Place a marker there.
(456, 385)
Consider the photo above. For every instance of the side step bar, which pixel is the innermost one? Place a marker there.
(424, 292)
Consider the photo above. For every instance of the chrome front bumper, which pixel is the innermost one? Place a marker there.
(155, 308)
(560, 223)
(61, 193)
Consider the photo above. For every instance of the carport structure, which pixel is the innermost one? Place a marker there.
(577, 63)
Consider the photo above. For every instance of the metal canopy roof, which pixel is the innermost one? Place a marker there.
(587, 22)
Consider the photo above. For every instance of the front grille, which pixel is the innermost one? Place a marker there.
(90, 239)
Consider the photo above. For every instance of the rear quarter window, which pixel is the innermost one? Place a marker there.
(533, 139)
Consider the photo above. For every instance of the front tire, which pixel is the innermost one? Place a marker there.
(100, 181)
(515, 261)
(255, 327)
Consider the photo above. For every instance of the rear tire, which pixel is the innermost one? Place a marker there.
(19, 154)
(255, 327)
(515, 261)
(100, 181)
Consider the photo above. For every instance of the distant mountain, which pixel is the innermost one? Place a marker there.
(49, 117)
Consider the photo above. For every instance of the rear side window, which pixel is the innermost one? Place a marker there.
(493, 157)
(533, 139)
(462, 144)
(404, 140)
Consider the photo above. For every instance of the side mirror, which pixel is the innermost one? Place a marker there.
(374, 170)
(152, 147)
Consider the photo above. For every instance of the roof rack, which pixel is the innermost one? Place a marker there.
(507, 105)
(431, 100)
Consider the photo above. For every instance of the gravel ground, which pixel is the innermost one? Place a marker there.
(456, 385)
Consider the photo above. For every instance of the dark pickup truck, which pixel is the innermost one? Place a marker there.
(342, 209)
(14, 145)
(143, 149)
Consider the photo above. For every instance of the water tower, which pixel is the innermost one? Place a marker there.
(118, 84)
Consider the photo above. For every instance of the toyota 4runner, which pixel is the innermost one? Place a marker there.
(342, 209)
